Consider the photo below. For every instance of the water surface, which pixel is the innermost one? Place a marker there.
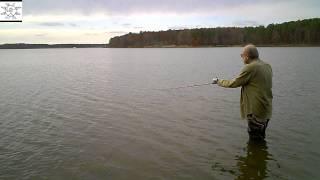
(97, 114)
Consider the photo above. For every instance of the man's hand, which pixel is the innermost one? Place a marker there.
(215, 80)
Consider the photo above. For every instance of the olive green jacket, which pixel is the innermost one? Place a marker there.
(256, 93)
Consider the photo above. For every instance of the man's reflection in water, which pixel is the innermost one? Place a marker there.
(254, 164)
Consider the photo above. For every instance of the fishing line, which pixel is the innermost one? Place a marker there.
(189, 86)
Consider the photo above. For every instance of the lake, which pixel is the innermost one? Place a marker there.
(101, 114)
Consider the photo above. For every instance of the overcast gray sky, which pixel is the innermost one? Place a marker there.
(95, 21)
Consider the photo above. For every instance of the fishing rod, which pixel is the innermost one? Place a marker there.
(189, 86)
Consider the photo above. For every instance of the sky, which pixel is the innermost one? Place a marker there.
(96, 21)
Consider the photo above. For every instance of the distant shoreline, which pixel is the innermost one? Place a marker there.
(294, 33)
(217, 46)
(72, 46)
(49, 46)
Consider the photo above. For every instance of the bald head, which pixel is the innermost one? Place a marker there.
(251, 51)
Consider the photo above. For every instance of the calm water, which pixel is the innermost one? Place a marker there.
(96, 114)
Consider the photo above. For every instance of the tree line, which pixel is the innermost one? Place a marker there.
(301, 32)
(45, 46)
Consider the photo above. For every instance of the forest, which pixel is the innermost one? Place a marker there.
(294, 33)
(45, 46)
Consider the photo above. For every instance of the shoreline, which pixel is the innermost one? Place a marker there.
(49, 46)
(159, 46)
(217, 46)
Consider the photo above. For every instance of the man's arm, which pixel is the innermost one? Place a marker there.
(241, 80)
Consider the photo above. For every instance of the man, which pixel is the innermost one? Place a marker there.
(255, 80)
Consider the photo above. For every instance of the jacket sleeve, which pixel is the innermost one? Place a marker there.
(241, 80)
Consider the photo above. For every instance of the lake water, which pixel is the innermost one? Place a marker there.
(98, 114)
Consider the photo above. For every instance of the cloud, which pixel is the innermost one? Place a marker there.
(231, 12)
(125, 7)
(41, 34)
(179, 27)
(126, 24)
(73, 24)
(91, 34)
(51, 24)
(53, 36)
(243, 23)
(117, 32)
(77, 21)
